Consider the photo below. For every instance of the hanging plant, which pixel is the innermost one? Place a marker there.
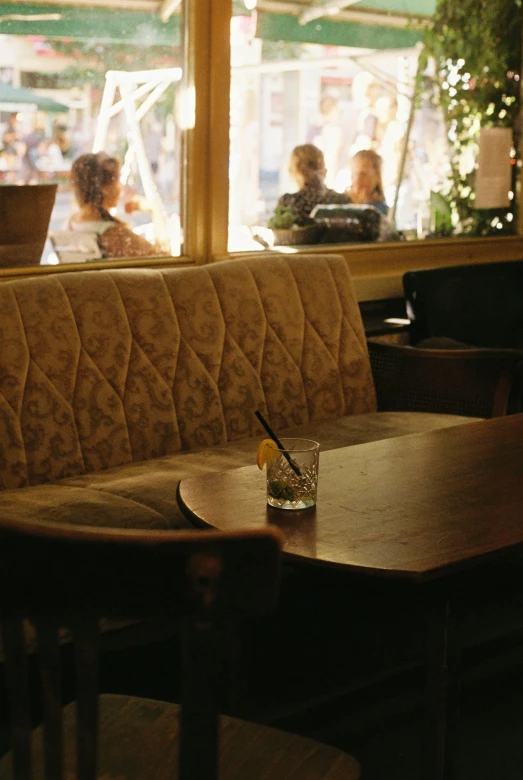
(476, 47)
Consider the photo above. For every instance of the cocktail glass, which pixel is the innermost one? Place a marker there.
(292, 478)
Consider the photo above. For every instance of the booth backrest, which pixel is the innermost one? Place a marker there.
(480, 305)
(102, 368)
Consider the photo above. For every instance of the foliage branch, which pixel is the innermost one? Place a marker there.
(476, 46)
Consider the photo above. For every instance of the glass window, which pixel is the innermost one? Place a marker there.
(365, 96)
(88, 100)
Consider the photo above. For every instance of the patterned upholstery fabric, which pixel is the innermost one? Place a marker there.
(100, 369)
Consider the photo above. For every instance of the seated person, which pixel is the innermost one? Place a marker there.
(366, 184)
(96, 184)
(307, 168)
(11, 137)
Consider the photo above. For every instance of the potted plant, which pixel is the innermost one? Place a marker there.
(289, 229)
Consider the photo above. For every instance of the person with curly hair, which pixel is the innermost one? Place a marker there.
(96, 183)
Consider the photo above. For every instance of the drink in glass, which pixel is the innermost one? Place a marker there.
(292, 477)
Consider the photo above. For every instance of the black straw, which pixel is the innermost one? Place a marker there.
(275, 439)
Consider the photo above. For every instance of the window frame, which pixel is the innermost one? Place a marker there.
(376, 268)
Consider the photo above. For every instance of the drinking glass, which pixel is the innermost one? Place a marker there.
(292, 477)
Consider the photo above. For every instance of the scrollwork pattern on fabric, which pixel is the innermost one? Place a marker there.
(104, 368)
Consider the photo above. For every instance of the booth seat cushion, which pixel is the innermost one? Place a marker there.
(143, 495)
(59, 502)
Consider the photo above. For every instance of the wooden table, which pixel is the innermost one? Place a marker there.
(421, 507)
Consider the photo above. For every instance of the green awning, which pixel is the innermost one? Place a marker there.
(105, 25)
(12, 98)
(283, 27)
(397, 7)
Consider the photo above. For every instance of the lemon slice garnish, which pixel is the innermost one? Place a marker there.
(267, 451)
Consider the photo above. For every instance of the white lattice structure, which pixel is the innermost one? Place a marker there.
(134, 94)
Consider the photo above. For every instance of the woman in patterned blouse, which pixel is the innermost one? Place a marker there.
(96, 186)
(307, 168)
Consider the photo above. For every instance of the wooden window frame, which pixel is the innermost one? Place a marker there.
(377, 268)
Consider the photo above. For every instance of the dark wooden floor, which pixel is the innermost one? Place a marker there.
(381, 726)
(491, 739)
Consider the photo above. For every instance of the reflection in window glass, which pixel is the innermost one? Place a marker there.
(342, 100)
(88, 100)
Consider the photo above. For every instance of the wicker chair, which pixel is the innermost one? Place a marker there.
(470, 382)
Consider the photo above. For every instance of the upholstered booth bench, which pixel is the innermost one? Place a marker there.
(116, 384)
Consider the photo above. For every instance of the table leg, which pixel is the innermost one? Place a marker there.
(442, 690)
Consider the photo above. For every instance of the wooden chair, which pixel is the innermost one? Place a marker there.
(55, 576)
(470, 382)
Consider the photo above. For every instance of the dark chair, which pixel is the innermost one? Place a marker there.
(470, 382)
(25, 211)
(466, 307)
(56, 576)
(479, 305)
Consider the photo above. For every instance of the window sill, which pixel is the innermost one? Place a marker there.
(377, 268)
(143, 262)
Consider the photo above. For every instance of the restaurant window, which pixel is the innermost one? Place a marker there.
(80, 79)
(345, 83)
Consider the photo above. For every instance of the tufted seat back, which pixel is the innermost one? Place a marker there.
(103, 368)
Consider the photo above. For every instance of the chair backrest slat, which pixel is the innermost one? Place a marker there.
(85, 638)
(198, 745)
(199, 716)
(49, 652)
(18, 694)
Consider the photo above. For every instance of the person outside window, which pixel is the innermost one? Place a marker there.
(11, 151)
(366, 184)
(366, 91)
(11, 136)
(96, 184)
(307, 169)
(153, 147)
(32, 143)
(328, 136)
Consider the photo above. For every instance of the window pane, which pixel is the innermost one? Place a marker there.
(88, 99)
(342, 99)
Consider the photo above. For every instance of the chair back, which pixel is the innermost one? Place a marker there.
(59, 576)
(477, 304)
(25, 211)
(71, 246)
(469, 382)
